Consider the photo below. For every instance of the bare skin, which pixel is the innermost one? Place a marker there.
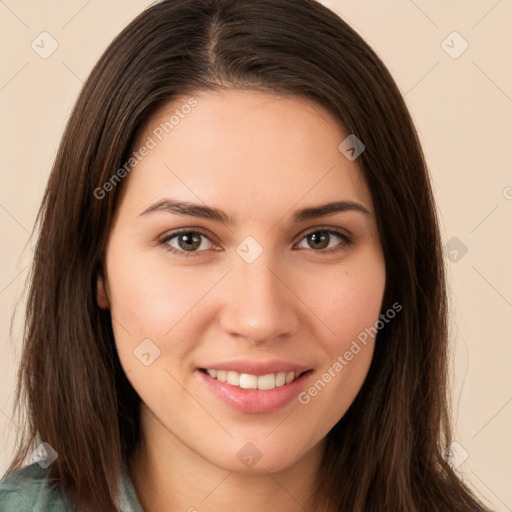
(259, 158)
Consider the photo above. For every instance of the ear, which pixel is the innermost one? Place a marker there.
(101, 293)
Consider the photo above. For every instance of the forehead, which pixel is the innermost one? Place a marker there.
(242, 145)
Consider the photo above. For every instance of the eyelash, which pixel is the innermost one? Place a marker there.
(346, 241)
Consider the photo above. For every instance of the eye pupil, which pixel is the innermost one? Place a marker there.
(319, 239)
(189, 238)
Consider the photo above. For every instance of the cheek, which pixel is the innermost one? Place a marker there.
(347, 300)
(148, 301)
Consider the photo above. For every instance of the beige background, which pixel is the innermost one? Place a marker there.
(463, 111)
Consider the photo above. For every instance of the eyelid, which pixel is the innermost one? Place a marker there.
(339, 231)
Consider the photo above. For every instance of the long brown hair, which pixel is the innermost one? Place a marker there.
(386, 452)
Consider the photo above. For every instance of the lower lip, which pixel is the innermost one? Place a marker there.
(256, 400)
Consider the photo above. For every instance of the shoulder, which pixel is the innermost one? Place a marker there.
(28, 490)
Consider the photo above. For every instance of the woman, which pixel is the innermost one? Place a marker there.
(238, 295)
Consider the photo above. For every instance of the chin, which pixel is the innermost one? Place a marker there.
(254, 458)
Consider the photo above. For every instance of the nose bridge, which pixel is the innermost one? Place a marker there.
(259, 305)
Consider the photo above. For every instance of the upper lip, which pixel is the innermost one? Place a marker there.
(257, 368)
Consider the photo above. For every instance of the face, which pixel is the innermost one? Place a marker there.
(250, 279)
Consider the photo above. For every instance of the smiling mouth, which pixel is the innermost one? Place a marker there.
(249, 381)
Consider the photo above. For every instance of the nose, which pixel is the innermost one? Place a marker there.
(260, 305)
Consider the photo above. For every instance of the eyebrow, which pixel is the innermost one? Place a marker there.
(210, 213)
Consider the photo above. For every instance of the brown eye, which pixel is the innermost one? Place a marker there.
(186, 241)
(189, 242)
(321, 240)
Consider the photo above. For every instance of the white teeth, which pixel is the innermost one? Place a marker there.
(267, 381)
(280, 379)
(248, 381)
(233, 378)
